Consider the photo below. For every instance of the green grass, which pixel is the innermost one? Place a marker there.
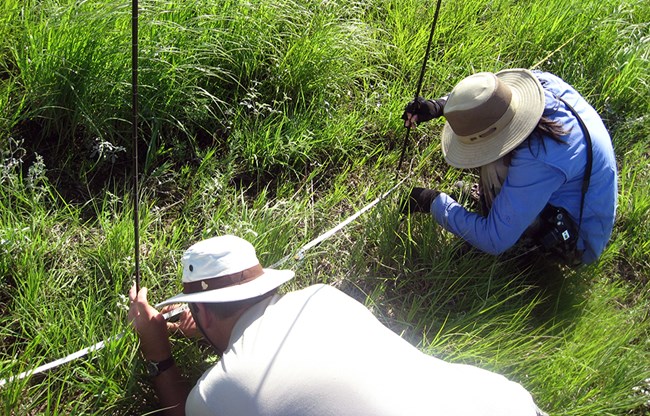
(276, 120)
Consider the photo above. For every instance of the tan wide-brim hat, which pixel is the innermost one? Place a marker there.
(488, 115)
(225, 269)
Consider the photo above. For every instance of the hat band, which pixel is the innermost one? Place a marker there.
(224, 281)
(497, 126)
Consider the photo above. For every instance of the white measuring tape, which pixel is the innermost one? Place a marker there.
(299, 255)
(81, 352)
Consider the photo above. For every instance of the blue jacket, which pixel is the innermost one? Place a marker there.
(549, 173)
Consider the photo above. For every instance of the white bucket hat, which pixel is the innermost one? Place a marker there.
(225, 269)
(488, 115)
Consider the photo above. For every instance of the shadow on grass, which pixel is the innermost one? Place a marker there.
(420, 280)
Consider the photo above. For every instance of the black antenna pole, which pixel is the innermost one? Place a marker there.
(419, 86)
(134, 107)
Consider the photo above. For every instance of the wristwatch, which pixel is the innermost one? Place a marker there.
(156, 367)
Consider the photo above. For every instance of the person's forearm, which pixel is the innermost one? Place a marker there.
(172, 391)
(151, 327)
(471, 227)
(171, 388)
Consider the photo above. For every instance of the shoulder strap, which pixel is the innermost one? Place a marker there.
(587, 176)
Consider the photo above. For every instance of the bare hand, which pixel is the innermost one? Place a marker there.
(150, 326)
(184, 324)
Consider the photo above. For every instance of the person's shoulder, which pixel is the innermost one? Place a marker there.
(553, 87)
(537, 154)
(318, 289)
(545, 77)
(321, 289)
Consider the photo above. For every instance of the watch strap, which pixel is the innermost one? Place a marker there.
(157, 367)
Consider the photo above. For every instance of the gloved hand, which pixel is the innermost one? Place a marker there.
(421, 110)
(419, 200)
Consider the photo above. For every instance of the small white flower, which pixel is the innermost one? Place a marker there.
(122, 302)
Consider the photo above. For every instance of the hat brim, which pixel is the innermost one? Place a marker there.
(268, 281)
(528, 103)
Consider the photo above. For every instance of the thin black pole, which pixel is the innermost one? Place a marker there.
(420, 80)
(134, 107)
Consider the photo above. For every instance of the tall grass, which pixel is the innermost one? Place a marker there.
(275, 120)
(203, 67)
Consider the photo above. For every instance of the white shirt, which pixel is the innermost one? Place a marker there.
(319, 352)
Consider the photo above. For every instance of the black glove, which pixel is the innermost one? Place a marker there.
(425, 109)
(419, 200)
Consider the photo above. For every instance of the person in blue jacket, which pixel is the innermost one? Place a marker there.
(547, 167)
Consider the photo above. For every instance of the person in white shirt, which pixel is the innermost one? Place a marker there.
(314, 351)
